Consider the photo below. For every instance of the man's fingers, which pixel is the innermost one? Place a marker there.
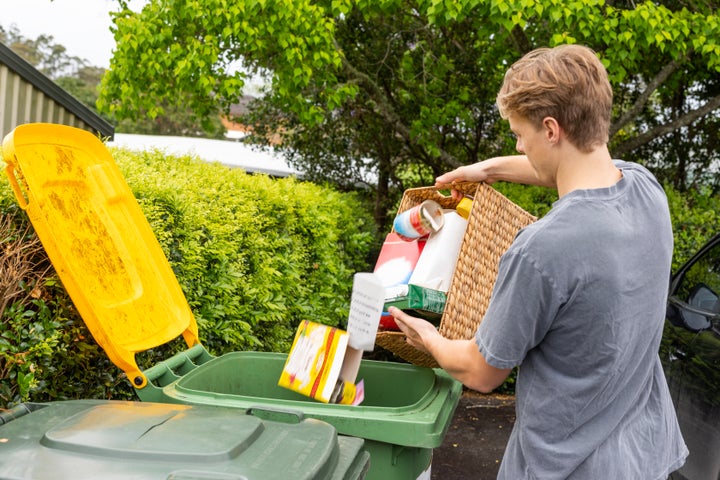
(399, 316)
(397, 313)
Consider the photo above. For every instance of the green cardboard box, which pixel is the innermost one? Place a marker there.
(421, 302)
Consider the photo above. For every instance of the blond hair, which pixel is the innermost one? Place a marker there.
(568, 83)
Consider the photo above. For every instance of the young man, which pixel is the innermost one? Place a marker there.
(579, 302)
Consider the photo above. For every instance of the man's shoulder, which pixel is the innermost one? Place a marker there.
(543, 241)
(626, 166)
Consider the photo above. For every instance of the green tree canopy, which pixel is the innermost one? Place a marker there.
(406, 88)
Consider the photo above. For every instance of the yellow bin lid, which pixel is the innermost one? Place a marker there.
(98, 240)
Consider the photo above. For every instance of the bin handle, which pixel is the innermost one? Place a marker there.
(19, 194)
(18, 411)
(275, 414)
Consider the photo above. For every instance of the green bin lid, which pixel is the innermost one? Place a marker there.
(87, 439)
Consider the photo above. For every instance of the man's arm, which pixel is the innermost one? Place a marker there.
(511, 168)
(460, 358)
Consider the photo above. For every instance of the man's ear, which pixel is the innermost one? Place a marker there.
(552, 129)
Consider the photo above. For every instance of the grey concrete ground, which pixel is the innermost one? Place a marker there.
(476, 438)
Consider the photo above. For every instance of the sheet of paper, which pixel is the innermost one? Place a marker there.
(366, 306)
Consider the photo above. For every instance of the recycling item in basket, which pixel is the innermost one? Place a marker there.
(394, 267)
(421, 288)
(419, 302)
(419, 221)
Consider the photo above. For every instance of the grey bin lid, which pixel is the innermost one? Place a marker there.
(87, 439)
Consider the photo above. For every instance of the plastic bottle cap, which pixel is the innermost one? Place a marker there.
(463, 208)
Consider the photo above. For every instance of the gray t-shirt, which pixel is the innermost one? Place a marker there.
(579, 304)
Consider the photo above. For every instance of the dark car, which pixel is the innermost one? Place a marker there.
(691, 357)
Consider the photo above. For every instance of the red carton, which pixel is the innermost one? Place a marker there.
(395, 265)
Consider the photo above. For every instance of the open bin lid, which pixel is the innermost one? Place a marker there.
(88, 439)
(98, 240)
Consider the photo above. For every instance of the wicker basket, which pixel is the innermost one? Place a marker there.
(493, 223)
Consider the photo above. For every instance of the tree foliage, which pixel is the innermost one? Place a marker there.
(405, 89)
(50, 58)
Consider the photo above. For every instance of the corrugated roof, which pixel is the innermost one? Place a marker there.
(24, 95)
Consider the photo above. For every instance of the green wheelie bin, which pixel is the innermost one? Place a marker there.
(92, 439)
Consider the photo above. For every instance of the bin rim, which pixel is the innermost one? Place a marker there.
(422, 423)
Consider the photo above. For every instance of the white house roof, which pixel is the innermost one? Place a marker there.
(226, 152)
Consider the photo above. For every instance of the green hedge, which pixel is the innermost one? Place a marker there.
(254, 256)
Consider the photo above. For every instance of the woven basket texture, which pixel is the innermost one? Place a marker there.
(493, 223)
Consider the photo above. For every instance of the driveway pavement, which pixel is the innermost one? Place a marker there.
(476, 438)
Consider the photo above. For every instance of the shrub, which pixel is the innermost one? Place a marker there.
(28, 332)
(696, 217)
(254, 255)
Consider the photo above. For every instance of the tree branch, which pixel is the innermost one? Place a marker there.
(687, 119)
(522, 42)
(382, 107)
(637, 107)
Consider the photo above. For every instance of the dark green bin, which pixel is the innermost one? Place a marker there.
(95, 439)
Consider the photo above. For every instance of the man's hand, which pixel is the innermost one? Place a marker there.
(416, 330)
(476, 172)
(460, 358)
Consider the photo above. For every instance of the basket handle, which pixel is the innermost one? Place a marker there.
(413, 196)
(466, 188)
